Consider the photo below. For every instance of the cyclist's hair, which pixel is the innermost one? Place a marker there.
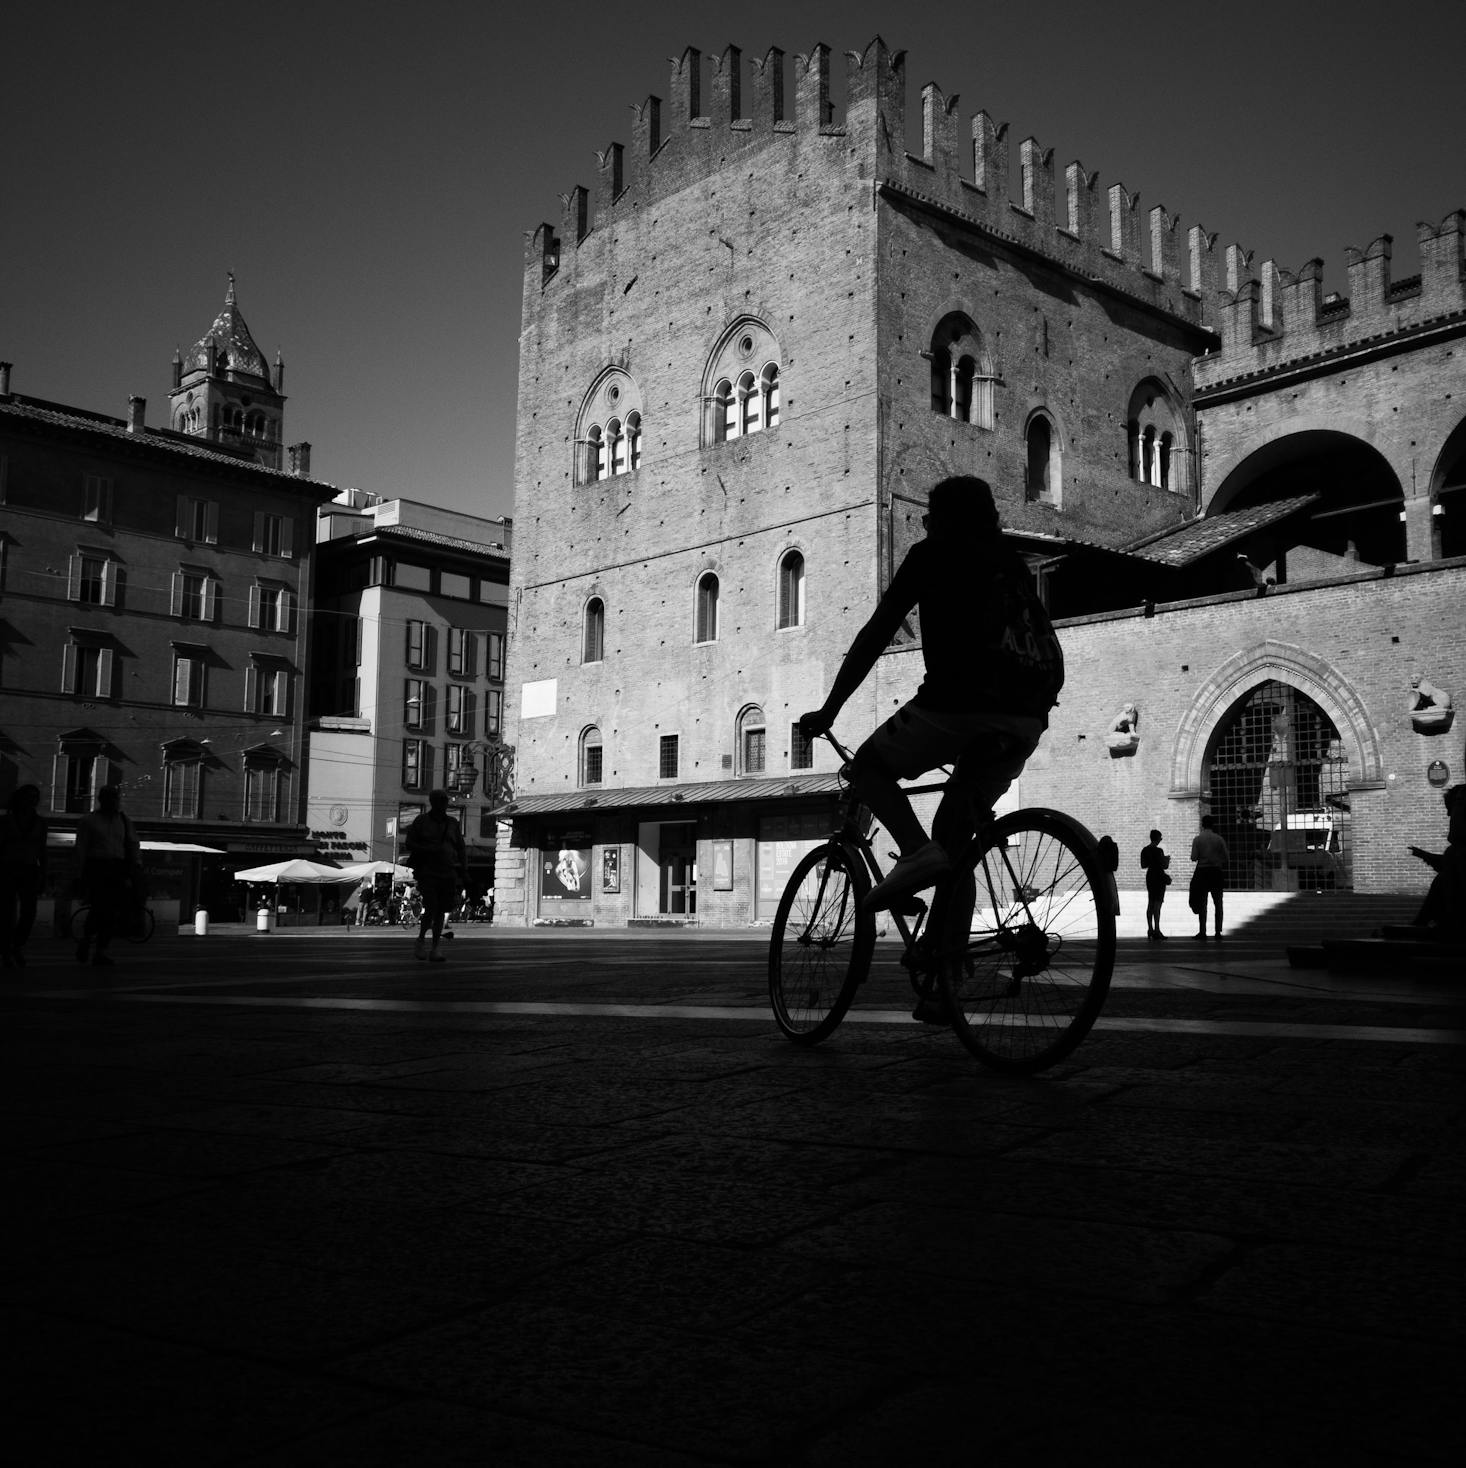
(1208, 822)
(964, 502)
(1155, 835)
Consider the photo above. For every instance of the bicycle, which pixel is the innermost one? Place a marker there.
(139, 930)
(1019, 939)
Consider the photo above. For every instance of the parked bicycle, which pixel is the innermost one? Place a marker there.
(136, 924)
(1018, 941)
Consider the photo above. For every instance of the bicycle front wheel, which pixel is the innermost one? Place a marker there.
(140, 929)
(1026, 974)
(820, 949)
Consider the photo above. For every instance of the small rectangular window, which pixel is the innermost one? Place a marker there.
(97, 500)
(801, 749)
(409, 577)
(414, 774)
(594, 763)
(93, 580)
(460, 653)
(460, 710)
(414, 706)
(667, 757)
(181, 789)
(420, 644)
(261, 793)
(188, 681)
(454, 584)
(493, 713)
(495, 668)
(753, 751)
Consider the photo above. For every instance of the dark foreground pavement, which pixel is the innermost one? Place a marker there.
(569, 1199)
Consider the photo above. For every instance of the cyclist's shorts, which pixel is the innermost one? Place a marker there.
(990, 749)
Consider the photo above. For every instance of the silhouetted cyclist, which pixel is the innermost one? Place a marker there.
(993, 671)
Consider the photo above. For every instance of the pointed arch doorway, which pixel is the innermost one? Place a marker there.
(1277, 782)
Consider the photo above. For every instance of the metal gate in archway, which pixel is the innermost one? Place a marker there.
(1277, 783)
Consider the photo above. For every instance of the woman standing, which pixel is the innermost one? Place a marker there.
(1157, 879)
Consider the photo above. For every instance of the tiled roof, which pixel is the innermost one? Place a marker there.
(155, 438)
(432, 537)
(232, 339)
(708, 792)
(1189, 543)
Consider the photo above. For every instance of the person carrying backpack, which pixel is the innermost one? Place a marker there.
(994, 669)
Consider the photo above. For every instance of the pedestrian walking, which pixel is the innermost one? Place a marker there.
(439, 864)
(22, 871)
(1209, 852)
(109, 863)
(1157, 879)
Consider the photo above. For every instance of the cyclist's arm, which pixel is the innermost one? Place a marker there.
(870, 642)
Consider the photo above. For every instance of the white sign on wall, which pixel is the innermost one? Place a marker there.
(537, 700)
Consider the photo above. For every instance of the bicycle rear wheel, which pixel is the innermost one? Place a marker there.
(820, 948)
(141, 927)
(1026, 975)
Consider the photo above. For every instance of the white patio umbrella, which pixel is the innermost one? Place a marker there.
(295, 870)
(369, 869)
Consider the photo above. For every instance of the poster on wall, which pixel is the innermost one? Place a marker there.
(722, 866)
(611, 869)
(565, 873)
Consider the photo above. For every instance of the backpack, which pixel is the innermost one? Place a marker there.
(1030, 660)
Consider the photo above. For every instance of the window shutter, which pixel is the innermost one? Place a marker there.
(251, 687)
(68, 668)
(429, 707)
(429, 648)
(73, 577)
(211, 522)
(287, 612)
(110, 571)
(182, 523)
(259, 540)
(58, 782)
(211, 598)
(468, 711)
(175, 594)
(470, 655)
(287, 538)
(427, 766)
(104, 673)
(284, 684)
(254, 605)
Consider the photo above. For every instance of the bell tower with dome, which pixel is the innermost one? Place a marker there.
(224, 390)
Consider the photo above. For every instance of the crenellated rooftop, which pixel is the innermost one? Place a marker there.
(1279, 319)
(1103, 234)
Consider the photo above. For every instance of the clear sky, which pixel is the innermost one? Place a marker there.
(368, 171)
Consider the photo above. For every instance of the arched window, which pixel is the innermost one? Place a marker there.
(1042, 477)
(633, 441)
(1156, 438)
(962, 374)
(707, 608)
(740, 396)
(750, 404)
(591, 761)
(593, 631)
(752, 755)
(725, 412)
(608, 432)
(791, 590)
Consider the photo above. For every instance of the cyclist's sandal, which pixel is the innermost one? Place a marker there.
(924, 867)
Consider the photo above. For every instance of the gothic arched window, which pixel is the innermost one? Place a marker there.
(593, 631)
(962, 374)
(742, 388)
(791, 590)
(608, 432)
(706, 629)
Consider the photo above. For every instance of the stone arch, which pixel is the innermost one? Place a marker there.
(1448, 495)
(1287, 663)
(1268, 446)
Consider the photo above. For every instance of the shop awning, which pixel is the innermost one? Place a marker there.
(65, 839)
(694, 793)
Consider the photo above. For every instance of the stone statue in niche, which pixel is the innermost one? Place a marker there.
(1430, 707)
(1124, 733)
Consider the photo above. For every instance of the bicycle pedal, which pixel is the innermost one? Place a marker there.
(910, 906)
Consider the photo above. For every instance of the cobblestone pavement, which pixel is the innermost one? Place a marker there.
(569, 1198)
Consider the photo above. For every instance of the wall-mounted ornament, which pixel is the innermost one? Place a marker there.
(1430, 707)
(1124, 733)
(1438, 773)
